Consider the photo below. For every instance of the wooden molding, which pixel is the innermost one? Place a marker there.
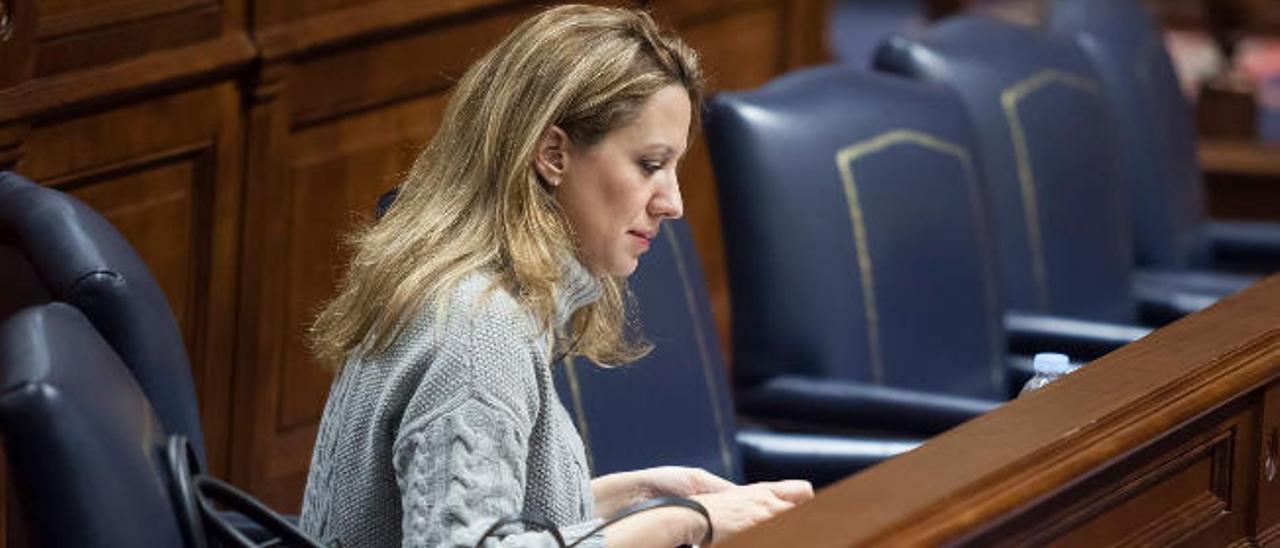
(137, 77)
(110, 14)
(339, 28)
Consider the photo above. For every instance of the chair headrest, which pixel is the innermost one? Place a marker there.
(83, 444)
(84, 261)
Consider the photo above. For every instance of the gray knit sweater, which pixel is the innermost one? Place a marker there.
(453, 427)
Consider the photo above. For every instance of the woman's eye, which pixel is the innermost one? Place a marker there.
(651, 167)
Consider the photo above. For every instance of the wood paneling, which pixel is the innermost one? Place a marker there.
(77, 34)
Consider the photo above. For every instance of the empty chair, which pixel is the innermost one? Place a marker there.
(856, 27)
(1050, 162)
(673, 406)
(1156, 136)
(84, 449)
(55, 248)
(863, 287)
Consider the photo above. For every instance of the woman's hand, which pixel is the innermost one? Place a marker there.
(732, 508)
(736, 509)
(617, 491)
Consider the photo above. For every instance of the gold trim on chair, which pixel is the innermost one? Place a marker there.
(1009, 99)
(844, 161)
(703, 355)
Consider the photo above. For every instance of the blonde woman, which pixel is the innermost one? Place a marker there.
(508, 246)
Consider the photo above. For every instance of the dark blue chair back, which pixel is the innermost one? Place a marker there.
(671, 407)
(856, 234)
(1153, 123)
(1045, 135)
(55, 248)
(83, 446)
(856, 27)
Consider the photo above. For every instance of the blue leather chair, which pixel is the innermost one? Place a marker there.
(55, 248)
(1157, 139)
(856, 27)
(864, 292)
(1052, 173)
(84, 449)
(674, 407)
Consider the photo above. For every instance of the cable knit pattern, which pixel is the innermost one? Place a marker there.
(454, 426)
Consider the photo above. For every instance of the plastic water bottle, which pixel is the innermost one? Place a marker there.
(1048, 367)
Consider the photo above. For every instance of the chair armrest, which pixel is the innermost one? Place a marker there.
(1164, 296)
(1082, 340)
(1245, 246)
(855, 406)
(820, 458)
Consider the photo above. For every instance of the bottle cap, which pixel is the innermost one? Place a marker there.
(1051, 363)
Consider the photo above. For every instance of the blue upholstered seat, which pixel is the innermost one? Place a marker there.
(856, 234)
(1157, 141)
(55, 248)
(84, 448)
(1049, 151)
(673, 406)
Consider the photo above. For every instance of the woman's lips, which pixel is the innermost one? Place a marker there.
(641, 239)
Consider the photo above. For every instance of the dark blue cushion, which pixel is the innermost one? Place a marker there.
(1047, 148)
(856, 234)
(80, 259)
(84, 448)
(1153, 123)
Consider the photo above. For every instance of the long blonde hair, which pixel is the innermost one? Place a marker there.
(472, 200)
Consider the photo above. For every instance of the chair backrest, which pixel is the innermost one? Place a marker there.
(1154, 126)
(84, 449)
(671, 407)
(856, 27)
(1046, 139)
(62, 250)
(856, 234)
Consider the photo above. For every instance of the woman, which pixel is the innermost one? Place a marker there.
(508, 246)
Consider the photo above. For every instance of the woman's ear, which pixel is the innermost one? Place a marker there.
(551, 156)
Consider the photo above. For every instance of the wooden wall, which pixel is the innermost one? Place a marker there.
(234, 141)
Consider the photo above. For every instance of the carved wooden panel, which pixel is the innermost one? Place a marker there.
(1267, 464)
(76, 34)
(172, 189)
(392, 70)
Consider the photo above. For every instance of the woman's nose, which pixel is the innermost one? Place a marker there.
(668, 203)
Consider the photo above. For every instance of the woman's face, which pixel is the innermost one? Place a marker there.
(617, 191)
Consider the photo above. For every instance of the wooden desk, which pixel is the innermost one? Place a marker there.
(1170, 440)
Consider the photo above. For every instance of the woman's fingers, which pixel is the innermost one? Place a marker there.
(706, 482)
(793, 491)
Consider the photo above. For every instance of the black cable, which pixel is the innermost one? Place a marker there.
(640, 507)
(527, 518)
(653, 504)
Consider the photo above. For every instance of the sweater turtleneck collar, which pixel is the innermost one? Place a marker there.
(577, 289)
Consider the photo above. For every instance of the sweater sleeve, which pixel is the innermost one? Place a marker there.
(460, 473)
